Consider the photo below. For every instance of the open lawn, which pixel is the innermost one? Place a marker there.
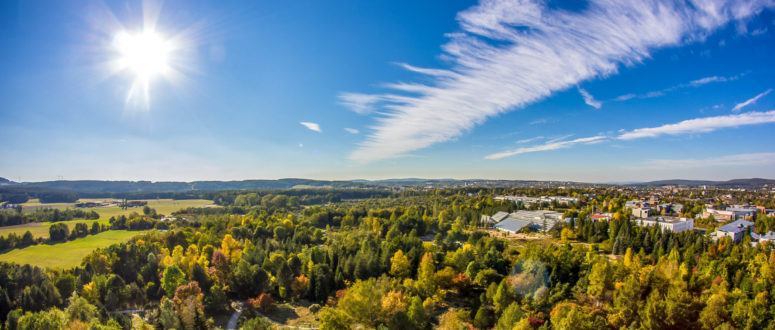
(40, 229)
(162, 206)
(68, 254)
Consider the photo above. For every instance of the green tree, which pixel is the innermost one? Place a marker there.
(417, 313)
(334, 319)
(399, 264)
(510, 317)
(80, 309)
(173, 278)
(426, 283)
(504, 296)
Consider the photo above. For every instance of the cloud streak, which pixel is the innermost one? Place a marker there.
(752, 159)
(551, 145)
(589, 99)
(351, 130)
(693, 83)
(311, 126)
(750, 101)
(538, 51)
(701, 125)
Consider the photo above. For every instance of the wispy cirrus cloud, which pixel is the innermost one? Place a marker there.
(752, 159)
(662, 92)
(528, 140)
(589, 99)
(701, 125)
(311, 126)
(537, 51)
(750, 101)
(550, 145)
(351, 130)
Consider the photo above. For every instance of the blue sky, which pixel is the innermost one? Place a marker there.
(598, 91)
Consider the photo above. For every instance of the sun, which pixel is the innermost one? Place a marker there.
(145, 55)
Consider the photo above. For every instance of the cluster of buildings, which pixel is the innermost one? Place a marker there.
(516, 221)
(735, 212)
(644, 209)
(8, 206)
(527, 201)
(96, 204)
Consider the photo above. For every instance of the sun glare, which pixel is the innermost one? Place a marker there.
(145, 53)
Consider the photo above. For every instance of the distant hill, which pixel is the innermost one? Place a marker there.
(96, 186)
(736, 183)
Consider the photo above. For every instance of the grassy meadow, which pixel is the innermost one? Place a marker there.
(67, 254)
(40, 229)
(162, 206)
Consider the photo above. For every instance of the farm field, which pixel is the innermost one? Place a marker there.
(40, 229)
(67, 254)
(162, 206)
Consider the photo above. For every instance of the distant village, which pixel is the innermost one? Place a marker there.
(736, 220)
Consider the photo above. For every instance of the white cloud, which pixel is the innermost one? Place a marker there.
(351, 130)
(589, 99)
(693, 83)
(523, 141)
(750, 101)
(551, 145)
(360, 103)
(539, 121)
(538, 51)
(753, 159)
(701, 125)
(312, 126)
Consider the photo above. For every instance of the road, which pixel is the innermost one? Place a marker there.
(232, 325)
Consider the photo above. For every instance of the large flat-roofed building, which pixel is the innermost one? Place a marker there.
(520, 200)
(495, 218)
(538, 220)
(735, 230)
(674, 224)
(736, 212)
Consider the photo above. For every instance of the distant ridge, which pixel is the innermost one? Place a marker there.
(100, 186)
(753, 182)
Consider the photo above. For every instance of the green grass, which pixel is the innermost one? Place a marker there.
(162, 206)
(40, 229)
(68, 254)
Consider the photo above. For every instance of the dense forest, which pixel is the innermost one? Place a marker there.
(414, 261)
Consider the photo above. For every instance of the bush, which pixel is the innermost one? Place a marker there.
(256, 323)
(314, 308)
(263, 302)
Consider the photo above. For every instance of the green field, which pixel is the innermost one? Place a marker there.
(40, 229)
(162, 206)
(68, 254)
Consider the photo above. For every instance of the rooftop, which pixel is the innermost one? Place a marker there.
(735, 227)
